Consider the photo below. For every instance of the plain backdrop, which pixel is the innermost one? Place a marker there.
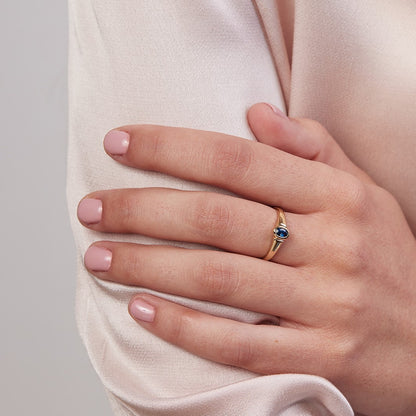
(44, 369)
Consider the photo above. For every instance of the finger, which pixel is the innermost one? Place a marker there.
(265, 349)
(247, 168)
(226, 278)
(302, 137)
(217, 220)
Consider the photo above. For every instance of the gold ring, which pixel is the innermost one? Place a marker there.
(280, 234)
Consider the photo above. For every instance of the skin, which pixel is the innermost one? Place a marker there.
(343, 284)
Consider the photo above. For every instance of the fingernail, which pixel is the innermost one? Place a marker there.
(142, 311)
(116, 142)
(98, 259)
(277, 111)
(90, 210)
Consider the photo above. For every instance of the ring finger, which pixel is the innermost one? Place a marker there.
(222, 221)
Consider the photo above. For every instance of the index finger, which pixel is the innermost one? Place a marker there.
(250, 169)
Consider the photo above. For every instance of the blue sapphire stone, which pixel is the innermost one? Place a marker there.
(281, 232)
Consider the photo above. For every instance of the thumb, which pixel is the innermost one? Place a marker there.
(301, 137)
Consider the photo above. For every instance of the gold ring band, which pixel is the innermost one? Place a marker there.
(280, 234)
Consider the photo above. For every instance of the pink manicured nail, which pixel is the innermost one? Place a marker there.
(90, 210)
(97, 259)
(142, 311)
(277, 111)
(116, 142)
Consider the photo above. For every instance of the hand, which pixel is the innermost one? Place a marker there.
(343, 284)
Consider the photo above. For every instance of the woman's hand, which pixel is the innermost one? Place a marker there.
(343, 284)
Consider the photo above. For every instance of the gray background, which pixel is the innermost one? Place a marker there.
(44, 369)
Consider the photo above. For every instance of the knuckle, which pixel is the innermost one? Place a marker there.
(232, 160)
(340, 348)
(128, 266)
(342, 356)
(384, 197)
(320, 134)
(317, 354)
(211, 218)
(218, 280)
(350, 304)
(122, 210)
(352, 250)
(151, 145)
(355, 198)
(333, 363)
(176, 331)
(342, 339)
(358, 257)
(316, 127)
(237, 350)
